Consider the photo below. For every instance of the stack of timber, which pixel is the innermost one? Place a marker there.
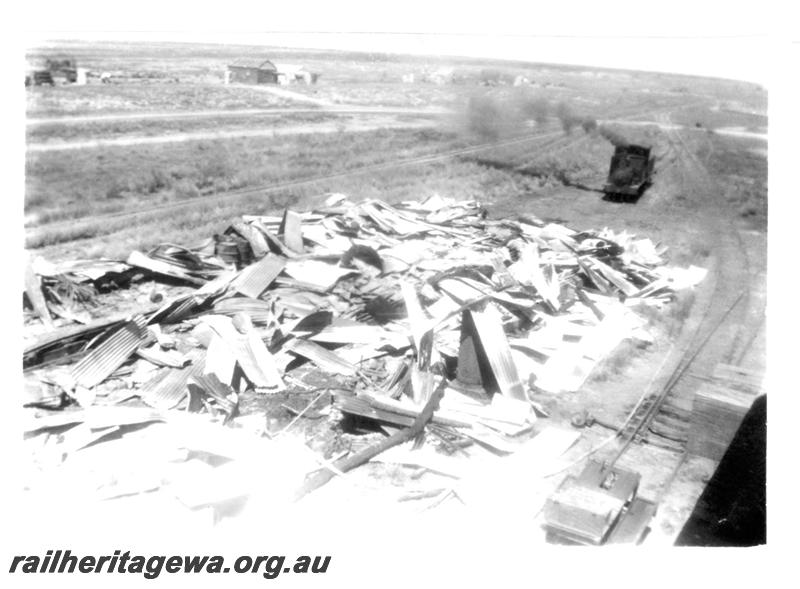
(719, 407)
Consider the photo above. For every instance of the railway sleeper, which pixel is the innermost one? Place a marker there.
(669, 433)
(671, 422)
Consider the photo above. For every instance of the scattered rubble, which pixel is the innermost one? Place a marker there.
(388, 305)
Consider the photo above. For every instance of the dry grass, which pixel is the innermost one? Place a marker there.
(716, 118)
(614, 365)
(187, 172)
(70, 185)
(191, 225)
(149, 128)
(670, 319)
(742, 173)
(43, 101)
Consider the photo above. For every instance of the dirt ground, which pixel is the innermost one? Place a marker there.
(707, 203)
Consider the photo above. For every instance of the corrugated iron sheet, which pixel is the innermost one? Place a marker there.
(250, 352)
(141, 260)
(259, 311)
(488, 326)
(209, 385)
(98, 364)
(183, 310)
(291, 229)
(325, 359)
(255, 238)
(169, 387)
(257, 277)
(156, 355)
(177, 310)
(64, 341)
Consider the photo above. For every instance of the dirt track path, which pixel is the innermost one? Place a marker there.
(217, 113)
(353, 126)
(738, 259)
(693, 214)
(725, 325)
(287, 94)
(664, 124)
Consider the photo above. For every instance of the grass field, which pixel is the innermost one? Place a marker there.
(194, 223)
(64, 185)
(148, 128)
(130, 96)
(557, 176)
(741, 165)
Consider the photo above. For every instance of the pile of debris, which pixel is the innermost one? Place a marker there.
(393, 304)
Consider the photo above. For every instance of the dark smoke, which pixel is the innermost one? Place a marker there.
(491, 117)
(569, 120)
(537, 109)
(485, 117)
(613, 137)
(589, 125)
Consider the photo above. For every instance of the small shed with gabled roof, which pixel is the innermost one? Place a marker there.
(252, 70)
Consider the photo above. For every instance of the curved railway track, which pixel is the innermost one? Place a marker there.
(726, 321)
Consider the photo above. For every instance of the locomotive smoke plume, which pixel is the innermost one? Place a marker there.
(569, 120)
(613, 137)
(486, 117)
(492, 117)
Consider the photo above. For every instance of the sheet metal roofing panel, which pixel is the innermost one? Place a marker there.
(223, 394)
(259, 311)
(250, 352)
(255, 279)
(103, 360)
(254, 237)
(168, 388)
(140, 260)
(71, 338)
(323, 358)
(488, 327)
(317, 274)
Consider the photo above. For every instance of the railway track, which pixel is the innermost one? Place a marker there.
(557, 140)
(726, 323)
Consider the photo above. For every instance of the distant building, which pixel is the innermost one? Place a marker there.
(251, 70)
(287, 73)
(444, 75)
(295, 74)
(63, 68)
(50, 70)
